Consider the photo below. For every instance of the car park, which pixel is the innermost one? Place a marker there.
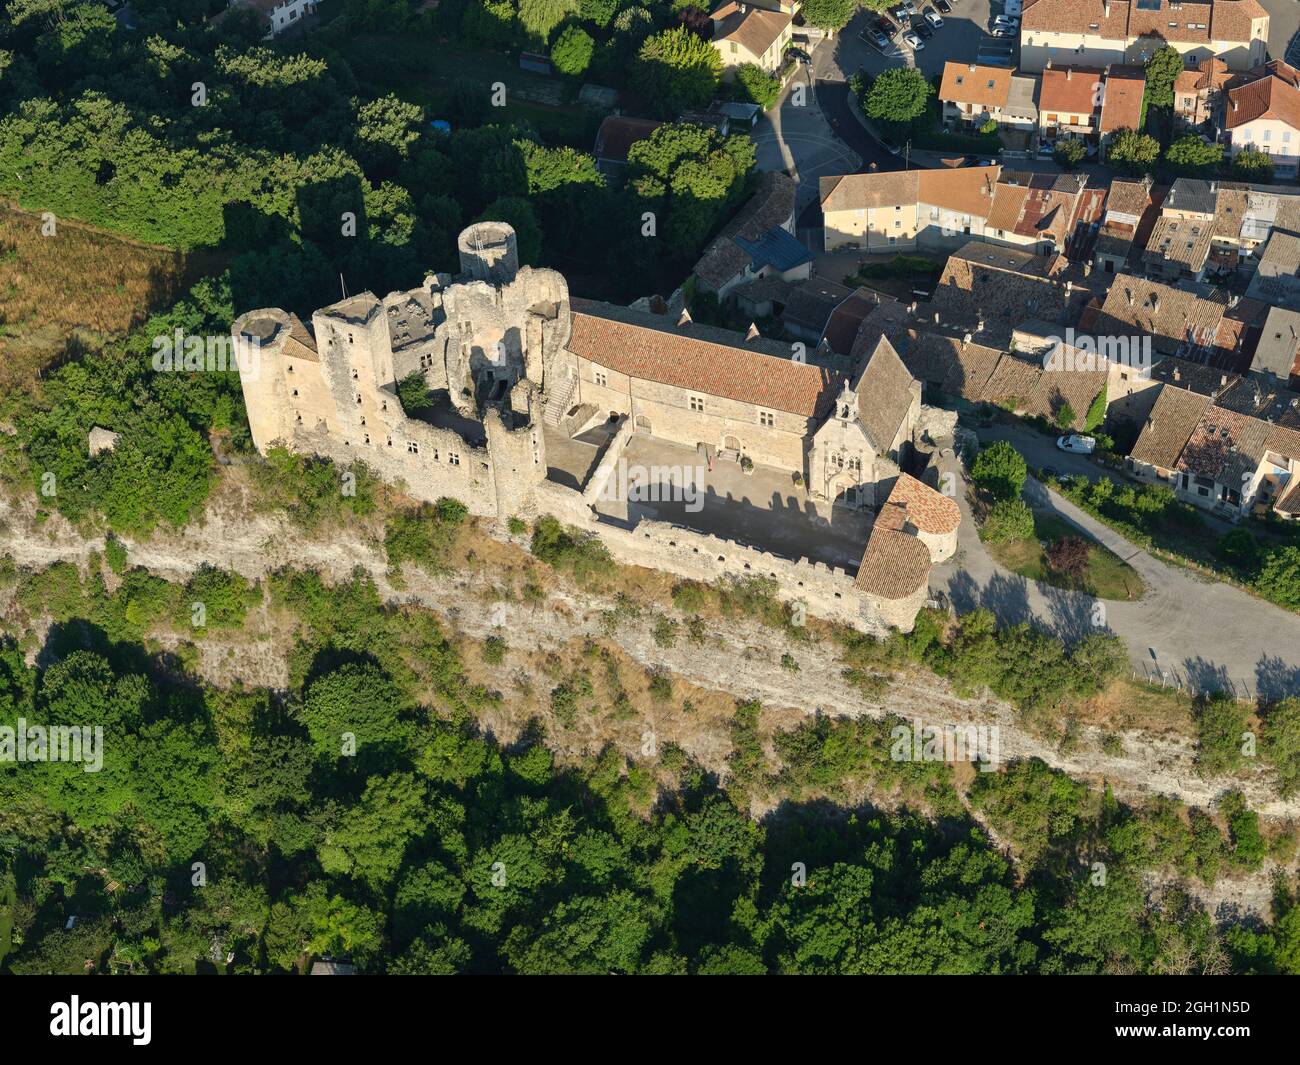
(1077, 444)
(913, 41)
(932, 17)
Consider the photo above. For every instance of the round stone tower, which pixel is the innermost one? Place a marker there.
(489, 252)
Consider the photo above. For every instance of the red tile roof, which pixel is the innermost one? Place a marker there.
(654, 351)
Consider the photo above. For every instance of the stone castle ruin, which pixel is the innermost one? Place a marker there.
(514, 367)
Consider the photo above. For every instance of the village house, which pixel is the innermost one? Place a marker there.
(1198, 94)
(752, 33)
(759, 242)
(1264, 114)
(972, 95)
(277, 15)
(1098, 33)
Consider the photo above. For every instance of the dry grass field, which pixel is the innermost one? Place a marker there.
(81, 286)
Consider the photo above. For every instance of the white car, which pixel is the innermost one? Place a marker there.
(910, 6)
(932, 17)
(913, 41)
(1077, 444)
(1007, 21)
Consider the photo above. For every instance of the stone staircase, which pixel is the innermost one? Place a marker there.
(557, 403)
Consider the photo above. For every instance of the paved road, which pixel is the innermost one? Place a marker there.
(1201, 634)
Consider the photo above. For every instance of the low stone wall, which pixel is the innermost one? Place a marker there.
(824, 591)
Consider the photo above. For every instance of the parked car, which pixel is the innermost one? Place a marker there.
(943, 6)
(886, 25)
(890, 146)
(922, 29)
(932, 17)
(1006, 20)
(910, 6)
(1002, 31)
(875, 37)
(913, 41)
(1077, 444)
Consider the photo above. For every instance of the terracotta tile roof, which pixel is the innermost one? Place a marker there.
(1267, 97)
(895, 564)
(651, 348)
(889, 318)
(300, 344)
(970, 83)
(856, 192)
(771, 205)
(1128, 197)
(1121, 103)
(1074, 90)
(1041, 392)
(968, 190)
(812, 302)
(884, 389)
(618, 133)
(1290, 503)
(755, 29)
(1231, 19)
(1008, 202)
(929, 356)
(1077, 16)
(1169, 426)
(1172, 317)
(845, 321)
(969, 372)
(1190, 22)
(1180, 240)
(1224, 446)
(1224, 20)
(925, 509)
(1211, 73)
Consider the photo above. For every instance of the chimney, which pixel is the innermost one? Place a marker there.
(685, 318)
(1087, 269)
(936, 317)
(1049, 62)
(1129, 293)
(911, 307)
(979, 325)
(1155, 301)
(1069, 73)
(1106, 7)
(1223, 380)
(753, 333)
(1178, 374)
(965, 339)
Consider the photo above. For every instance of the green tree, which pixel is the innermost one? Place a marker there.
(1190, 156)
(571, 53)
(754, 85)
(898, 95)
(1250, 164)
(1162, 69)
(356, 700)
(1000, 470)
(676, 70)
(1134, 153)
(830, 15)
(1069, 152)
(1280, 743)
(1221, 725)
(369, 839)
(1008, 520)
(540, 17)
